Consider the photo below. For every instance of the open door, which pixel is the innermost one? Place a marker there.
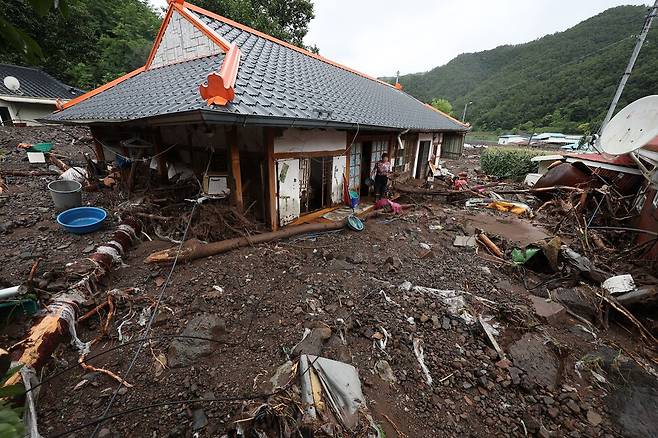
(287, 172)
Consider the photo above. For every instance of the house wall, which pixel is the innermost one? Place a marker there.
(27, 113)
(310, 140)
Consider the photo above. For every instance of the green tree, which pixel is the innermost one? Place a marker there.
(284, 19)
(95, 41)
(442, 105)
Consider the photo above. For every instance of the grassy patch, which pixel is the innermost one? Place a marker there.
(511, 163)
(481, 136)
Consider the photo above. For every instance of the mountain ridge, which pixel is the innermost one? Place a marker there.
(562, 81)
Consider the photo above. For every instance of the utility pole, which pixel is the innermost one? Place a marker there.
(468, 103)
(631, 63)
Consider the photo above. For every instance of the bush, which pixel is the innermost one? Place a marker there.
(510, 163)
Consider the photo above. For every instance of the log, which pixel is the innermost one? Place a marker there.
(59, 163)
(48, 332)
(489, 244)
(193, 249)
(28, 173)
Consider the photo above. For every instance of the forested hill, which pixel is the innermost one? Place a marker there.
(558, 82)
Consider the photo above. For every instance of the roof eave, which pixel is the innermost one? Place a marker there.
(223, 118)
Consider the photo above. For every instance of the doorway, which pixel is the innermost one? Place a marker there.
(423, 157)
(5, 117)
(315, 183)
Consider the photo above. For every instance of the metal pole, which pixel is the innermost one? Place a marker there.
(468, 103)
(631, 63)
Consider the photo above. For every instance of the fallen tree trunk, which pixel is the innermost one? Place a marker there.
(48, 332)
(193, 249)
(28, 173)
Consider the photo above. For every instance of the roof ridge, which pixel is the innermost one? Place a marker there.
(258, 33)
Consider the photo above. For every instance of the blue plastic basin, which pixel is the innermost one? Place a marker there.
(82, 220)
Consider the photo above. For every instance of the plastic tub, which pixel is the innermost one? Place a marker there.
(66, 194)
(82, 220)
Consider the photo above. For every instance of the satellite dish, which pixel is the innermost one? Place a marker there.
(632, 128)
(11, 83)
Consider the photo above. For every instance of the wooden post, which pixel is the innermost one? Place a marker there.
(271, 179)
(100, 153)
(232, 137)
(160, 158)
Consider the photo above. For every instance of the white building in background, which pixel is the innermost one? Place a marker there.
(512, 139)
(28, 94)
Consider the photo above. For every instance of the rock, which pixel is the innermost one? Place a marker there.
(356, 258)
(549, 311)
(406, 286)
(185, 352)
(425, 246)
(548, 401)
(394, 264)
(424, 318)
(594, 418)
(445, 323)
(313, 343)
(297, 310)
(573, 406)
(104, 433)
(504, 364)
(515, 375)
(553, 412)
(384, 371)
(199, 419)
(538, 361)
(435, 321)
(281, 375)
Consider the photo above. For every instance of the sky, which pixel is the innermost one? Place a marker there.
(380, 37)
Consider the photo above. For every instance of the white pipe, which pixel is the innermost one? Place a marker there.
(8, 292)
(400, 140)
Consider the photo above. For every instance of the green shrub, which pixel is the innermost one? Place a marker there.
(510, 163)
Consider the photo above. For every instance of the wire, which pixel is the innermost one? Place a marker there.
(126, 344)
(143, 159)
(151, 319)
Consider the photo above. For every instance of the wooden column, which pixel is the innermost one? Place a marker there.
(232, 137)
(100, 153)
(270, 196)
(160, 158)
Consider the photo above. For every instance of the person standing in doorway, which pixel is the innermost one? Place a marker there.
(382, 171)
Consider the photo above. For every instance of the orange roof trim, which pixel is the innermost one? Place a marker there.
(158, 38)
(219, 89)
(221, 42)
(102, 88)
(200, 10)
(465, 125)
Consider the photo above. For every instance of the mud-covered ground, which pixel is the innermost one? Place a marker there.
(560, 376)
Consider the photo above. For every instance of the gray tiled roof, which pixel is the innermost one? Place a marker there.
(275, 84)
(35, 83)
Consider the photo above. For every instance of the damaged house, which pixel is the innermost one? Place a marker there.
(275, 128)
